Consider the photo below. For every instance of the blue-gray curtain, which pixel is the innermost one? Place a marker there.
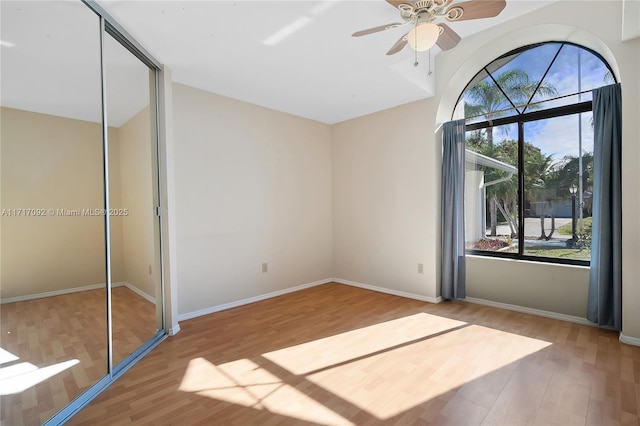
(453, 171)
(605, 280)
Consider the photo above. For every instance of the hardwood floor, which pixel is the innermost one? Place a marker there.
(49, 331)
(339, 355)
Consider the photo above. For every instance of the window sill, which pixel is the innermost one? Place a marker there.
(541, 262)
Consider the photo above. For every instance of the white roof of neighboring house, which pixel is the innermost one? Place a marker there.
(483, 160)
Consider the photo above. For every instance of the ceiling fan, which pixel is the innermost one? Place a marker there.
(421, 15)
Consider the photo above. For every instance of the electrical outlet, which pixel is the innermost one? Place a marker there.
(265, 267)
(420, 268)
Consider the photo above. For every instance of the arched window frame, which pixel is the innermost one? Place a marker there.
(524, 114)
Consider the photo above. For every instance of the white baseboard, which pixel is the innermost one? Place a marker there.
(174, 330)
(629, 340)
(532, 311)
(52, 293)
(389, 291)
(218, 308)
(139, 292)
(230, 305)
(76, 290)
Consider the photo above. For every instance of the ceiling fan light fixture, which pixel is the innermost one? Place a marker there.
(423, 36)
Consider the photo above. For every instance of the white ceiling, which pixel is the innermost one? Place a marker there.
(292, 56)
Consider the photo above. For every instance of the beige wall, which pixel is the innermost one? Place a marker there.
(552, 288)
(362, 164)
(252, 185)
(52, 163)
(385, 173)
(135, 174)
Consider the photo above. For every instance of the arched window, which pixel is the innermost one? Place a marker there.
(529, 153)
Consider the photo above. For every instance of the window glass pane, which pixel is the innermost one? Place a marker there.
(484, 100)
(575, 70)
(557, 203)
(491, 189)
(557, 153)
(520, 77)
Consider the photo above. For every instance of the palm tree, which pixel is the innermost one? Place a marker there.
(487, 98)
(538, 168)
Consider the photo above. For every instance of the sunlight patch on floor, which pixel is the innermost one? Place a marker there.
(6, 356)
(329, 351)
(20, 377)
(392, 382)
(382, 370)
(245, 383)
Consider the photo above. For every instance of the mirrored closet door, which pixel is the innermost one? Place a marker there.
(133, 185)
(80, 270)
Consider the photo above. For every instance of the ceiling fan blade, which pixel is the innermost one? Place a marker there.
(397, 3)
(375, 29)
(448, 39)
(475, 9)
(398, 46)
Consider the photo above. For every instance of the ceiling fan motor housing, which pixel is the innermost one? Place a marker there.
(423, 4)
(425, 11)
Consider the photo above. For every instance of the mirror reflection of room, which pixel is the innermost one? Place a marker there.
(132, 196)
(54, 341)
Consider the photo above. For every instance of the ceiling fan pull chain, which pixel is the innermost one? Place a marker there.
(415, 51)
